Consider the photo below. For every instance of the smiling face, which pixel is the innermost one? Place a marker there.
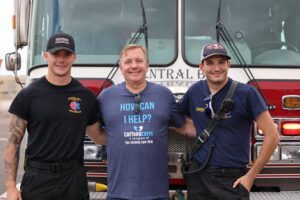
(216, 69)
(59, 63)
(134, 65)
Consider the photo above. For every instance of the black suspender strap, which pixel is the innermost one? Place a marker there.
(226, 106)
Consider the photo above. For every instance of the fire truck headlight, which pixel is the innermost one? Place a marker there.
(290, 153)
(275, 156)
(92, 152)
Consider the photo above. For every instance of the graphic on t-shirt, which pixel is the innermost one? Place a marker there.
(131, 118)
(74, 104)
(138, 128)
(138, 134)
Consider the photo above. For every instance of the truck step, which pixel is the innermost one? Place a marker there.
(287, 195)
(98, 195)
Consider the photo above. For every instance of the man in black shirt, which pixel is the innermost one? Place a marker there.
(56, 110)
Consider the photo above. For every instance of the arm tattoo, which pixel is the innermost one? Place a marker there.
(17, 127)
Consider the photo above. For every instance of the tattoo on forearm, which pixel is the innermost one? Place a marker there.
(17, 127)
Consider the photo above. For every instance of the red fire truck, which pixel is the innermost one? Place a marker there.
(267, 55)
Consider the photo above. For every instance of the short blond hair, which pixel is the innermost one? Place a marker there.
(133, 46)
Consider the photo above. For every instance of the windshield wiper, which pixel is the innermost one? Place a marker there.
(145, 25)
(142, 30)
(223, 33)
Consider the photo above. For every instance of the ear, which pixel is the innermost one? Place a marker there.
(229, 63)
(46, 54)
(121, 67)
(201, 66)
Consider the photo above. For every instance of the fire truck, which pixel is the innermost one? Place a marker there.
(262, 37)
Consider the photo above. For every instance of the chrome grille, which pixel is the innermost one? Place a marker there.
(179, 143)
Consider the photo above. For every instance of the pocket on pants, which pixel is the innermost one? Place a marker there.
(78, 188)
(28, 181)
(82, 179)
(242, 189)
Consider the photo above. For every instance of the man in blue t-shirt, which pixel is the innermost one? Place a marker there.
(226, 152)
(136, 116)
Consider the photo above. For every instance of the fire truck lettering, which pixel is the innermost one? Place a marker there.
(171, 74)
(180, 74)
(200, 75)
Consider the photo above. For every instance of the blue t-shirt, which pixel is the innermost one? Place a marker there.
(137, 143)
(232, 135)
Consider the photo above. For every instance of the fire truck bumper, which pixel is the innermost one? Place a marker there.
(290, 195)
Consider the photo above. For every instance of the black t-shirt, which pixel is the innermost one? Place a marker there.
(57, 118)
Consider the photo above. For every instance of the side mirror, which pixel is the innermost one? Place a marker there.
(13, 61)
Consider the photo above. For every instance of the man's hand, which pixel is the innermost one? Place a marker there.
(246, 181)
(188, 129)
(13, 194)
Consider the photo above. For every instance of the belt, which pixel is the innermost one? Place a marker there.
(54, 167)
(220, 171)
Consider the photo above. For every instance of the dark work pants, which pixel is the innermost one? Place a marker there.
(71, 184)
(215, 184)
(109, 198)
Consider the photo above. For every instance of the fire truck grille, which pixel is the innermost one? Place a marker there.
(179, 143)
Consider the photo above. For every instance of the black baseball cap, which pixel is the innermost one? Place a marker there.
(213, 49)
(60, 41)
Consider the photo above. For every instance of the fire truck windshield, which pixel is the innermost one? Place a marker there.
(101, 28)
(265, 32)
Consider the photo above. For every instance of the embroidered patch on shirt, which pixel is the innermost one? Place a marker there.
(74, 105)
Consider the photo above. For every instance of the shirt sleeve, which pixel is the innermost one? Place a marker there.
(20, 106)
(183, 104)
(256, 103)
(95, 114)
(99, 105)
(177, 117)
